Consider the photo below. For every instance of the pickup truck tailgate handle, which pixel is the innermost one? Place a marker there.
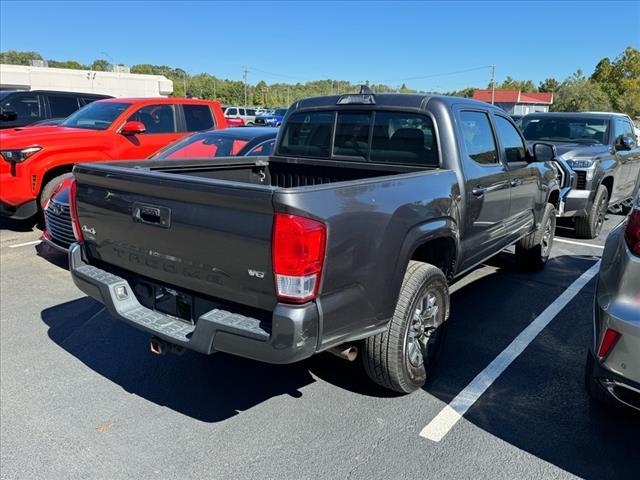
(152, 215)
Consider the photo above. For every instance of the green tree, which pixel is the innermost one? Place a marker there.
(620, 79)
(579, 94)
(548, 85)
(101, 65)
(522, 85)
(13, 57)
(68, 64)
(260, 93)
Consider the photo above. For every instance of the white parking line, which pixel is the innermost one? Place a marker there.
(449, 415)
(25, 244)
(562, 240)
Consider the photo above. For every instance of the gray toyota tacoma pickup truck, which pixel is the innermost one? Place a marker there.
(603, 151)
(345, 239)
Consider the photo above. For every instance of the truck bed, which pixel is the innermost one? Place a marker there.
(278, 172)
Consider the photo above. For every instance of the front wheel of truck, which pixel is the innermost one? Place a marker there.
(403, 356)
(532, 251)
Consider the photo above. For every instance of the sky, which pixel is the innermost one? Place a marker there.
(427, 45)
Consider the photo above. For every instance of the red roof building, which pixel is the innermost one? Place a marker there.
(515, 102)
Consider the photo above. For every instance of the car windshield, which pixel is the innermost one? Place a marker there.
(204, 145)
(566, 129)
(281, 112)
(96, 115)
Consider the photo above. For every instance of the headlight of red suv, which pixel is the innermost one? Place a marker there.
(17, 156)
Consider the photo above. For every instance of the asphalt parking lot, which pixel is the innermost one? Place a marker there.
(82, 396)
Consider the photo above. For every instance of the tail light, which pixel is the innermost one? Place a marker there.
(73, 210)
(608, 342)
(632, 233)
(298, 257)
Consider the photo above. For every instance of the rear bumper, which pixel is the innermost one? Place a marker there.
(291, 337)
(617, 387)
(19, 212)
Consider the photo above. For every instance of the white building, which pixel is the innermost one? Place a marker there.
(116, 84)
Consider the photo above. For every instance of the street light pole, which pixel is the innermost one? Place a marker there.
(244, 78)
(493, 84)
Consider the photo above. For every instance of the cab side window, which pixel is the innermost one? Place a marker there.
(478, 137)
(26, 106)
(62, 106)
(510, 140)
(156, 118)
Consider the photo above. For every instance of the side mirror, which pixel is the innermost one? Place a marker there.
(543, 152)
(133, 128)
(8, 115)
(625, 143)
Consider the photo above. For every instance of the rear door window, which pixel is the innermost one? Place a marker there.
(478, 137)
(62, 106)
(25, 106)
(197, 117)
(307, 134)
(156, 118)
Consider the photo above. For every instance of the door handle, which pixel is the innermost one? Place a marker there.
(479, 191)
(515, 182)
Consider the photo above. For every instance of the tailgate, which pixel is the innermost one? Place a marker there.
(207, 236)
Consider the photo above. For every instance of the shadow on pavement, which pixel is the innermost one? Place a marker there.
(18, 225)
(53, 255)
(539, 404)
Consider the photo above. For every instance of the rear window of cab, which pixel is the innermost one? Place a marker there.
(370, 136)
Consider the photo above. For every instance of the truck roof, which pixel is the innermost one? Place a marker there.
(577, 114)
(390, 100)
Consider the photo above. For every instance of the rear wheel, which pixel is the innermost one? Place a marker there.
(591, 225)
(532, 251)
(401, 357)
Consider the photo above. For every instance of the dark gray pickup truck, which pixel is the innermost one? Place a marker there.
(603, 151)
(346, 237)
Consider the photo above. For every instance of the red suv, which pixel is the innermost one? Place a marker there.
(37, 159)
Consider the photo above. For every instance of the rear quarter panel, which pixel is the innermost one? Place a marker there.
(368, 223)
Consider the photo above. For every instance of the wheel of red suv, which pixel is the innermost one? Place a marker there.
(591, 225)
(51, 185)
(532, 251)
(401, 358)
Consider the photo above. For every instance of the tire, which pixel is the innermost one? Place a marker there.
(50, 186)
(392, 359)
(591, 225)
(532, 251)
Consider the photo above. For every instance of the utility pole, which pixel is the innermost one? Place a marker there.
(244, 78)
(184, 82)
(493, 84)
(214, 88)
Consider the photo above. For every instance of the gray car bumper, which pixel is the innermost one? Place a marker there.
(291, 336)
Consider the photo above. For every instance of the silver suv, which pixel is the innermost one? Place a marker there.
(613, 363)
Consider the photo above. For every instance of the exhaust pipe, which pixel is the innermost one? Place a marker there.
(158, 346)
(345, 352)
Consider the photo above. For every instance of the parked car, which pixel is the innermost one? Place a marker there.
(604, 153)
(21, 108)
(235, 122)
(272, 120)
(345, 237)
(35, 160)
(247, 115)
(239, 142)
(613, 362)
